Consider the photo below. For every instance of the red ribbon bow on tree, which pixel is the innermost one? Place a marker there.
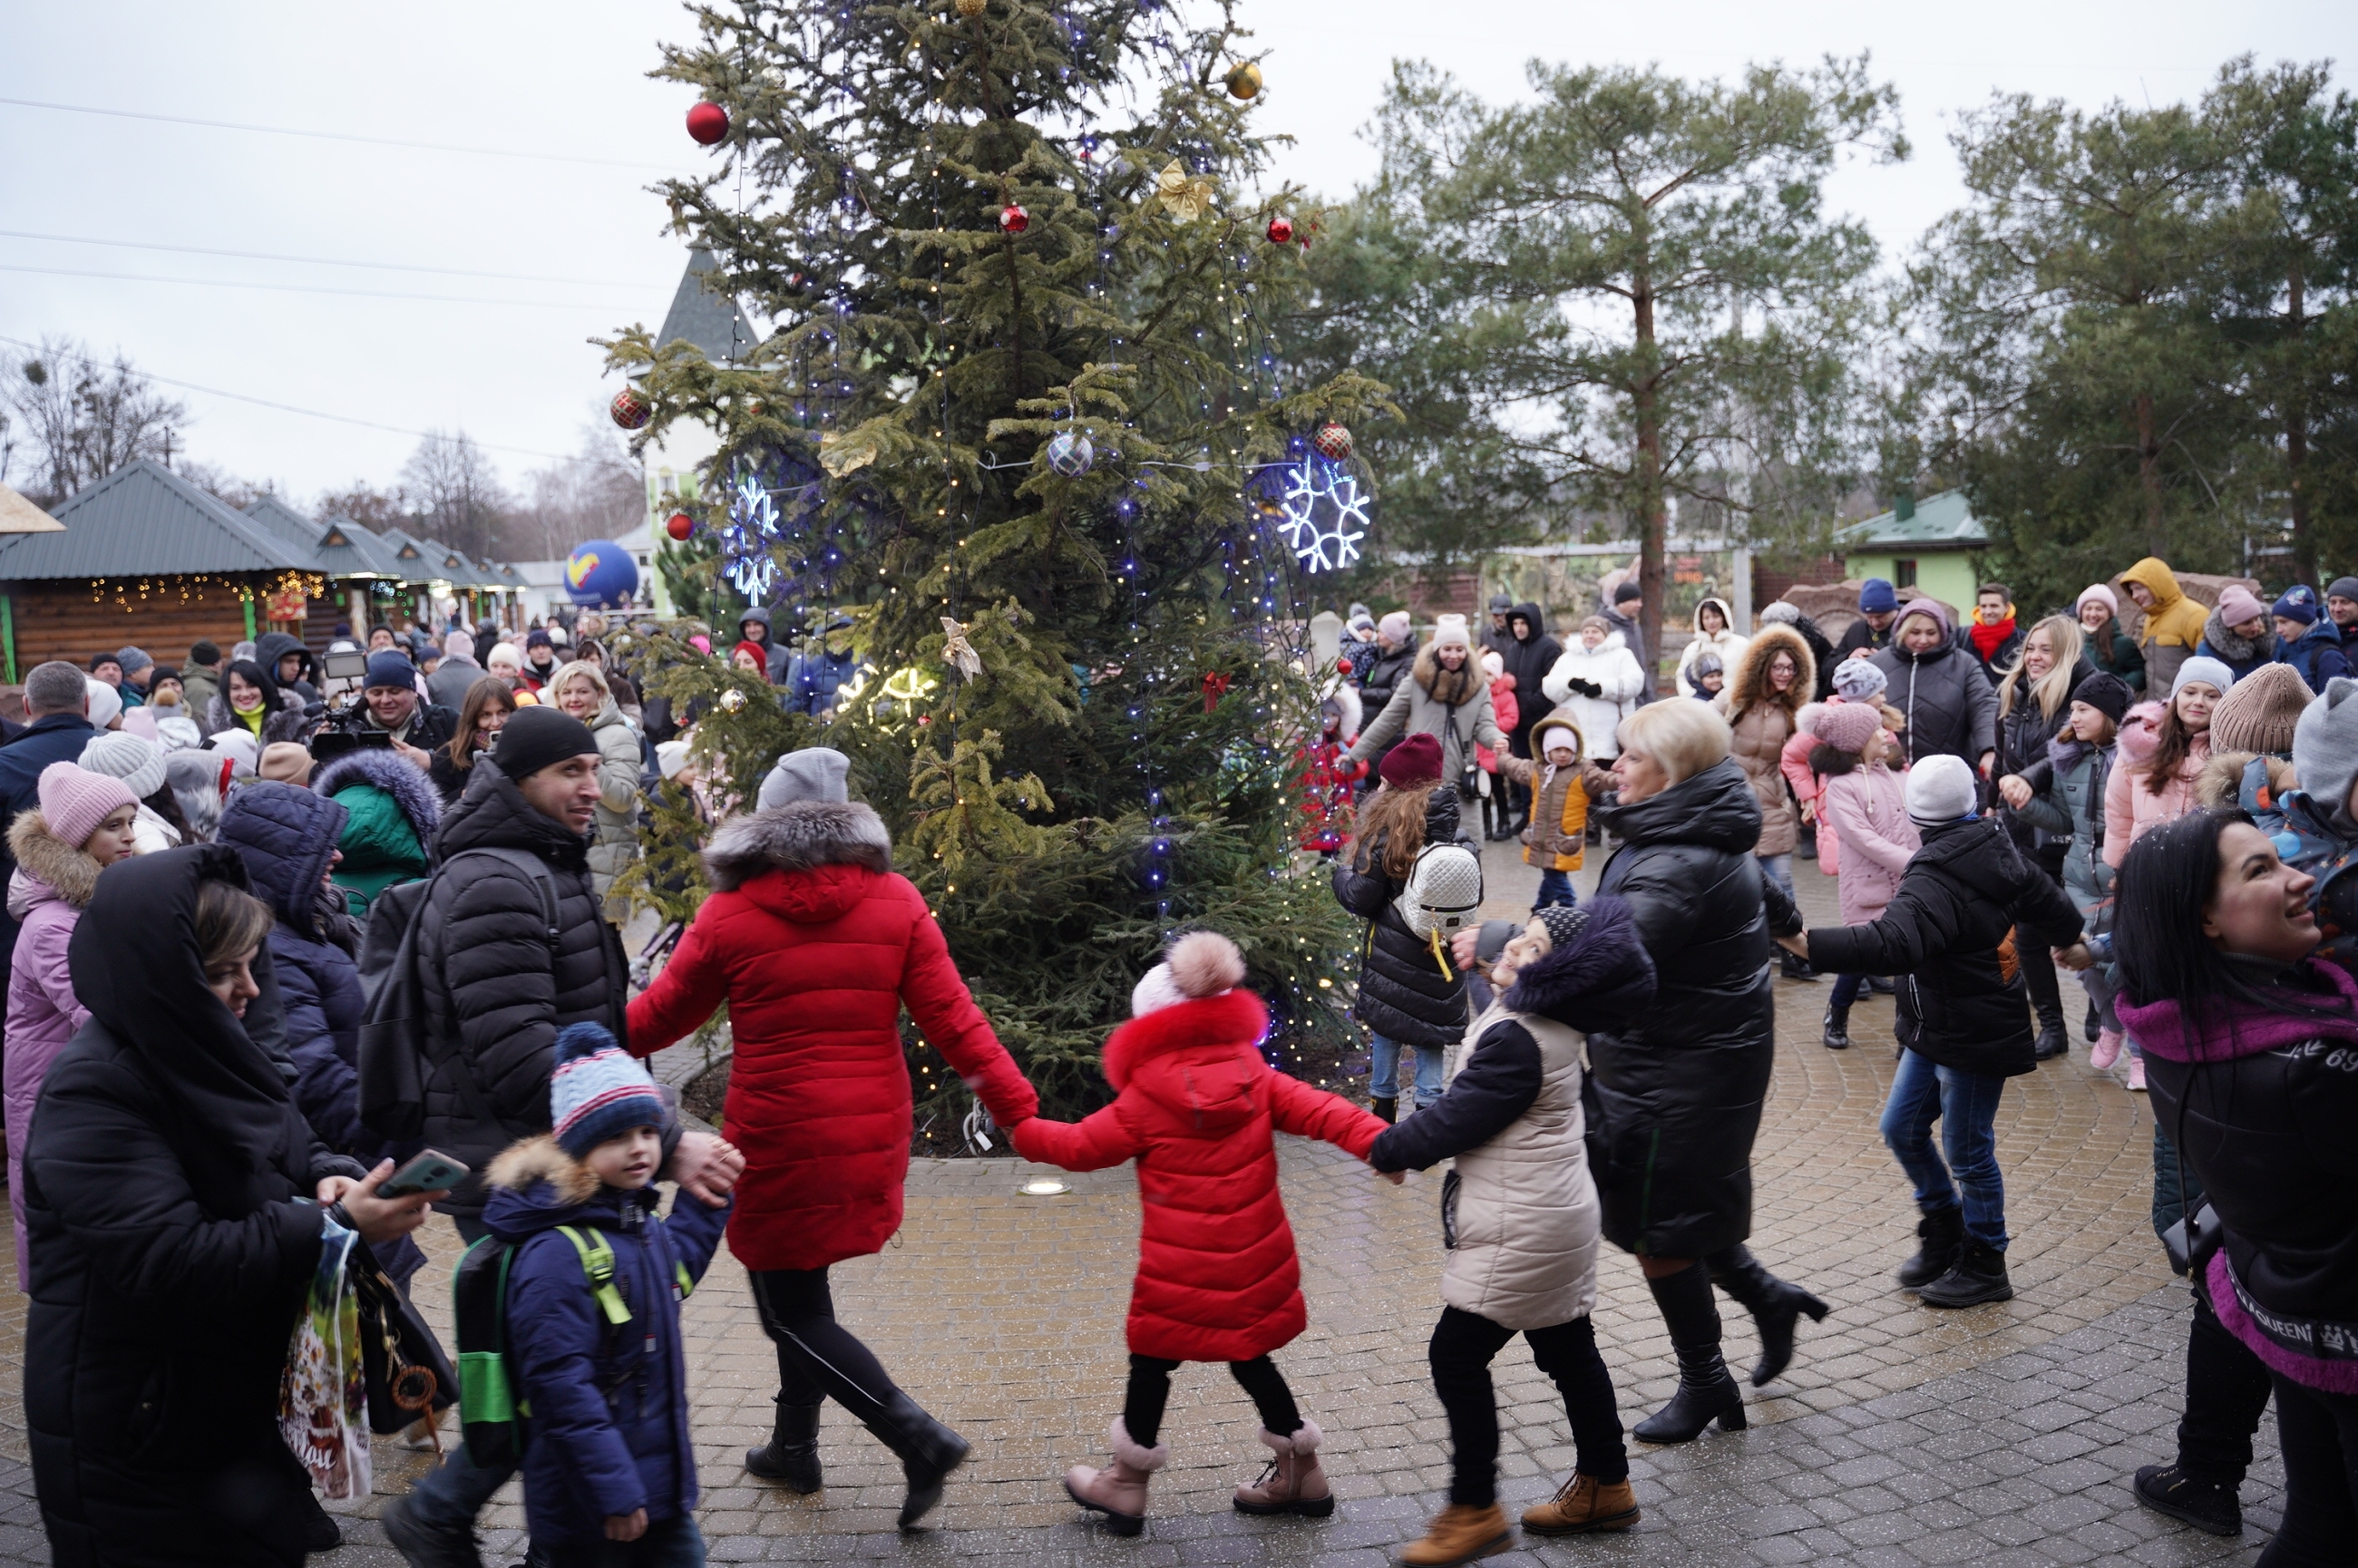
(1215, 686)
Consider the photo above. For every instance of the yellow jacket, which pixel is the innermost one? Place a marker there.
(2174, 621)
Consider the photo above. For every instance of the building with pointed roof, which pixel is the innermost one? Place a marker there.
(715, 324)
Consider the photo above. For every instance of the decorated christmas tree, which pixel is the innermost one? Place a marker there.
(1022, 418)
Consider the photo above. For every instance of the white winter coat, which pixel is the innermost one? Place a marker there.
(1614, 670)
(1526, 1215)
(1727, 643)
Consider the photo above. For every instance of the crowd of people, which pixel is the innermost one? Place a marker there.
(205, 915)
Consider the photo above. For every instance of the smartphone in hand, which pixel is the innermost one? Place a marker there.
(428, 1171)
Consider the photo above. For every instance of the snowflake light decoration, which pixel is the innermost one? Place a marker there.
(745, 543)
(1322, 514)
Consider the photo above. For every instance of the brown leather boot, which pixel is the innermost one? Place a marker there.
(1460, 1533)
(1293, 1483)
(1582, 1505)
(1118, 1491)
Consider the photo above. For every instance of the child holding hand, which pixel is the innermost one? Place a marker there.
(1217, 1279)
(1560, 782)
(1862, 803)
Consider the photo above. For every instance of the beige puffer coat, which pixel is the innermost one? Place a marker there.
(1526, 1216)
(1762, 725)
(617, 841)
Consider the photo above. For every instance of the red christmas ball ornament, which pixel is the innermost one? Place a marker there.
(708, 124)
(679, 525)
(1333, 442)
(1013, 219)
(1281, 231)
(630, 409)
(1342, 666)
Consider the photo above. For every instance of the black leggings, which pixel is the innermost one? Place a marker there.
(2318, 1432)
(818, 1358)
(2226, 1394)
(1465, 1343)
(1150, 1390)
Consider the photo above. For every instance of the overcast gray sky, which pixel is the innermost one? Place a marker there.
(508, 360)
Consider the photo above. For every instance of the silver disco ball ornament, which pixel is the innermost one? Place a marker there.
(1071, 454)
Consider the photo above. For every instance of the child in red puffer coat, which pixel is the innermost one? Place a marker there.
(1217, 1279)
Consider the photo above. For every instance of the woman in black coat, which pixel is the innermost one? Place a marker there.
(175, 1200)
(1679, 1093)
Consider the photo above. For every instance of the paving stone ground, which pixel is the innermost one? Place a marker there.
(2003, 1435)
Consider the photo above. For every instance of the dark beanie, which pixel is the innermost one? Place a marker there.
(2343, 588)
(1414, 762)
(538, 738)
(1628, 590)
(2106, 693)
(203, 652)
(389, 666)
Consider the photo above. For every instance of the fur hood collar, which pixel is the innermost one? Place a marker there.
(407, 786)
(1599, 980)
(535, 1186)
(48, 863)
(543, 1159)
(1748, 683)
(2220, 781)
(1448, 686)
(799, 836)
(1231, 1021)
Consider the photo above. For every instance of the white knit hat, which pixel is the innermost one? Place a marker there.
(137, 762)
(1200, 964)
(1449, 632)
(1940, 789)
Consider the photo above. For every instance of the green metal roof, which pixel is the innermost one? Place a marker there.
(143, 520)
(347, 549)
(1943, 522)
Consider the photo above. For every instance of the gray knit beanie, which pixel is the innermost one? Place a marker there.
(815, 772)
(2325, 745)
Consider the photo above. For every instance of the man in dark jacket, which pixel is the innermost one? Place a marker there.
(448, 686)
(288, 662)
(1626, 615)
(391, 706)
(508, 958)
(200, 677)
(1878, 607)
(826, 665)
(57, 701)
(1529, 659)
(754, 626)
(1938, 686)
(1965, 904)
(1498, 638)
(2341, 609)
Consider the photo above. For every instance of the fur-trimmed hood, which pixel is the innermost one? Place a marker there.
(2220, 781)
(543, 1159)
(410, 790)
(797, 837)
(1748, 683)
(1442, 685)
(47, 867)
(1174, 1056)
(535, 1186)
(1599, 980)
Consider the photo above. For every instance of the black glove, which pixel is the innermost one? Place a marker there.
(1587, 687)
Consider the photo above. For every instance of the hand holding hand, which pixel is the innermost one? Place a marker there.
(708, 1167)
(378, 1219)
(626, 1526)
(2076, 957)
(2015, 790)
(1798, 944)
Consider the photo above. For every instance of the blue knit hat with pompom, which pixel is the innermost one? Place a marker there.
(599, 1090)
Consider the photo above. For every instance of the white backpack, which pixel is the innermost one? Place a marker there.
(1443, 893)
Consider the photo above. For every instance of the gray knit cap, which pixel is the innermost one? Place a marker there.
(2325, 745)
(815, 772)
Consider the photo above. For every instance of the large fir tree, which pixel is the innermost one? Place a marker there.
(983, 229)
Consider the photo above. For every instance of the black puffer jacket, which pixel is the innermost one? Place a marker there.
(2022, 738)
(169, 1254)
(1382, 674)
(1403, 995)
(1950, 708)
(1531, 658)
(1949, 933)
(494, 984)
(1678, 1092)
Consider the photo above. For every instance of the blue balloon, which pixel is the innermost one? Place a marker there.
(601, 574)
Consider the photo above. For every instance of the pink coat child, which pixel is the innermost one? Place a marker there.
(1867, 808)
(1857, 680)
(59, 850)
(2131, 808)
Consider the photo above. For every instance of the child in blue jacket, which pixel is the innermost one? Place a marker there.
(609, 1465)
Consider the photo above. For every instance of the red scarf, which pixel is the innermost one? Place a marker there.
(1987, 638)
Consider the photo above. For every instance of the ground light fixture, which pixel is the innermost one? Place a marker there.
(1045, 1188)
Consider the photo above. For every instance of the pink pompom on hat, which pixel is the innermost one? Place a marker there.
(1200, 964)
(74, 801)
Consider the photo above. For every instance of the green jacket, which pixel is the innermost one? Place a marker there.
(379, 846)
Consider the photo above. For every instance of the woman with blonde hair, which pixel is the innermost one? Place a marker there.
(579, 688)
(2034, 706)
(1680, 1089)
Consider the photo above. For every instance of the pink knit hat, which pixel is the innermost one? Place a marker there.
(74, 801)
(2236, 605)
(1847, 727)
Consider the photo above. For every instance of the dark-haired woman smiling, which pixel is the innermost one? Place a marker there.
(2252, 1056)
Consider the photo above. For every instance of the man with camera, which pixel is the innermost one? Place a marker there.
(391, 712)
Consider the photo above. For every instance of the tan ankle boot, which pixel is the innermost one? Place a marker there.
(1460, 1533)
(1293, 1484)
(1583, 1504)
(1118, 1491)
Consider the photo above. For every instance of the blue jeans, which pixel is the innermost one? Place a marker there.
(1779, 869)
(1846, 989)
(1965, 1105)
(668, 1543)
(1383, 1070)
(1555, 888)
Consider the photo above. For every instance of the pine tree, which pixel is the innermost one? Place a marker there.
(1020, 399)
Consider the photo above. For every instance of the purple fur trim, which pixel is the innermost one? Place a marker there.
(2309, 1371)
(1598, 980)
(410, 789)
(2247, 1030)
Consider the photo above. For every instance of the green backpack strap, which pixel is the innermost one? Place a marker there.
(686, 1285)
(597, 1265)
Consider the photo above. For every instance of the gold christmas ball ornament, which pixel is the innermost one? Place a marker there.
(972, 7)
(1244, 80)
(732, 700)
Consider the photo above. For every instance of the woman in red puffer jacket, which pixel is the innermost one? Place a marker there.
(1217, 1280)
(816, 945)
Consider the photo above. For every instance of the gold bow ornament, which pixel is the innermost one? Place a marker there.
(958, 653)
(1188, 197)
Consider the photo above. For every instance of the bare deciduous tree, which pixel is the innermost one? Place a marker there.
(597, 493)
(455, 493)
(78, 418)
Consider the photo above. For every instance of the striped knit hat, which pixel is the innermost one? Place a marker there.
(599, 1092)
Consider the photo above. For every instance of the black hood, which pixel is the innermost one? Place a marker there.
(273, 646)
(494, 813)
(759, 617)
(138, 968)
(1534, 623)
(1977, 854)
(1716, 809)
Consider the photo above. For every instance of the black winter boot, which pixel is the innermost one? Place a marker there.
(2210, 1507)
(1705, 1392)
(1836, 1034)
(1776, 1306)
(1384, 1107)
(792, 1455)
(1942, 1232)
(1795, 967)
(1979, 1276)
(2094, 1027)
(928, 1450)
